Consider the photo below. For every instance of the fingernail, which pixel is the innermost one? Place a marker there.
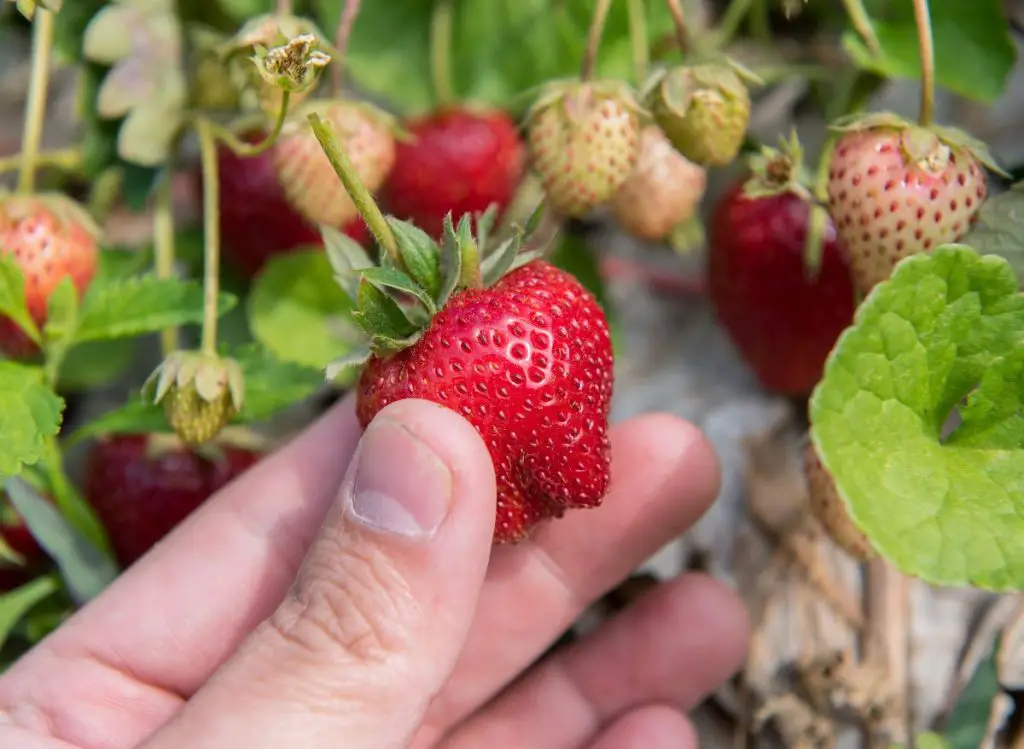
(397, 483)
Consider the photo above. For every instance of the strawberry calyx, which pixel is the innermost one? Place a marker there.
(720, 78)
(577, 96)
(929, 147)
(200, 393)
(396, 300)
(775, 171)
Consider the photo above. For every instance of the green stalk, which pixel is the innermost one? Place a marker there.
(163, 245)
(246, 150)
(65, 159)
(283, 7)
(341, 37)
(441, 23)
(597, 24)
(731, 21)
(35, 114)
(926, 49)
(679, 22)
(362, 197)
(861, 22)
(638, 39)
(211, 234)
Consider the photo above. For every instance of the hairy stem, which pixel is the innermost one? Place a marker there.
(341, 36)
(211, 234)
(638, 39)
(861, 22)
(731, 21)
(246, 150)
(926, 49)
(441, 22)
(601, 8)
(163, 245)
(362, 197)
(679, 21)
(283, 7)
(65, 159)
(35, 108)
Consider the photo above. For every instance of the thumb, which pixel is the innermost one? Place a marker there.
(381, 606)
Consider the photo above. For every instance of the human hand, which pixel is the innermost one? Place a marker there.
(274, 617)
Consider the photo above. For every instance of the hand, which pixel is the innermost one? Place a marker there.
(289, 613)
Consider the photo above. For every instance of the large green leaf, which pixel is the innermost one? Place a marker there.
(30, 414)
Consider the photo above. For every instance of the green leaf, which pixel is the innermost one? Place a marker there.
(119, 308)
(122, 263)
(380, 315)
(17, 603)
(391, 278)
(1000, 228)
(945, 327)
(298, 312)
(136, 416)
(974, 50)
(968, 724)
(86, 570)
(61, 314)
(419, 254)
(271, 384)
(12, 296)
(30, 413)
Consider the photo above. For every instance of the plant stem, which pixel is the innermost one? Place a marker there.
(65, 159)
(362, 197)
(163, 245)
(341, 37)
(682, 36)
(638, 39)
(283, 7)
(597, 23)
(861, 22)
(441, 22)
(35, 109)
(731, 21)
(246, 150)
(211, 234)
(926, 49)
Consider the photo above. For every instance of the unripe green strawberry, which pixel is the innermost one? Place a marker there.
(309, 181)
(584, 140)
(896, 189)
(663, 190)
(704, 110)
(200, 394)
(830, 510)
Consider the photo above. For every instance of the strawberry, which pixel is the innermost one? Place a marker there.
(830, 510)
(50, 237)
(662, 192)
(200, 393)
(584, 140)
(19, 539)
(307, 178)
(515, 345)
(256, 220)
(704, 109)
(783, 321)
(141, 487)
(457, 161)
(896, 189)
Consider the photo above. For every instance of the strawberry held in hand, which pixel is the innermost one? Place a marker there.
(50, 237)
(457, 161)
(896, 189)
(142, 486)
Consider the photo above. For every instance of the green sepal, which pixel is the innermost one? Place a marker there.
(499, 262)
(392, 278)
(453, 261)
(419, 254)
(388, 346)
(346, 257)
(380, 315)
(484, 225)
(345, 366)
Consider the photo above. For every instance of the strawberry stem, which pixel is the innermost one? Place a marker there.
(284, 7)
(211, 233)
(35, 109)
(247, 150)
(441, 21)
(341, 36)
(861, 22)
(679, 22)
(65, 159)
(362, 197)
(926, 49)
(638, 39)
(730, 22)
(597, 23)
(163, 246)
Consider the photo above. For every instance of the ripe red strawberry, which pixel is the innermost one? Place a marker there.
(896, 189)
(142, 487)
(50, 237)
(256, 220)
(457, 160)
(528, 362)
(18, 537)
(784, 322)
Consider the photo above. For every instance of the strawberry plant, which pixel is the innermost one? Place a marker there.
(395, 206)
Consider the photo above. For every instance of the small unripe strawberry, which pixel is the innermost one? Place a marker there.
(830, 510)
(896, 189)
(309, 181)
(704, 110)
(200, 394)
(663, 190)
(584, 140)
